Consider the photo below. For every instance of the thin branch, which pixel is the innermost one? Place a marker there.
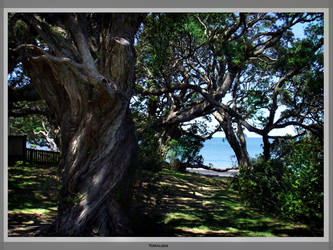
(233, 29)
(202, 23)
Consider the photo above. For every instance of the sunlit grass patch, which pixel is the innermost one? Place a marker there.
(249, 233)
(202, 230)
(187, 204)
(179, 216)
(32, 195)
(207, 203)
(42, 211)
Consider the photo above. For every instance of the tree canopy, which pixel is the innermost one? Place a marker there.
(241, 67)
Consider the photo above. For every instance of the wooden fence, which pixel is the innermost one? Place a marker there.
(42, 157)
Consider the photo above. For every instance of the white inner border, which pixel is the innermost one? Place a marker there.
(171, 239)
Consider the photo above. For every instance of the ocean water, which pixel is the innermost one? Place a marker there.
(218, 152)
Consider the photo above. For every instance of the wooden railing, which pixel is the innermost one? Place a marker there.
(42, 157)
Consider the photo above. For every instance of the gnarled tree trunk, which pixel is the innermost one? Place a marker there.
(236, 140)
(88, 91)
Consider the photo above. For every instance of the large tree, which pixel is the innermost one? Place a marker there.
(82, 66)
(242, 66)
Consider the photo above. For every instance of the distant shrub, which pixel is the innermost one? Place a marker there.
(262, 183)
(304, 198)
(290, 185)
(184, 150)
(149, 155)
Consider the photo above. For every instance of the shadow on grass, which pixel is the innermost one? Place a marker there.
(27, 224)
(184, 204)
(32, 197)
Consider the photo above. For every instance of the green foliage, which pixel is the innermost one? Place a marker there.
(291, 185)
(189, 204)
(262, 183)
(235, 52)
(32, 187)
(184, 150)
(149, 154)
(28, 125)
(304, 197)
(254, 101)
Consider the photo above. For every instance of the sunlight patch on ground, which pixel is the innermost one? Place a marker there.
(23, 177)
(209, 189)
(28, 222)
(185, 199)
(180, 186)
(202, 195)
(205, 203)
(258, 234)
(179, 216)
(39, 196)
(164, 183)
(239, 208)
(294, 226)
(33, 210)
(201, 230)
(247, 221)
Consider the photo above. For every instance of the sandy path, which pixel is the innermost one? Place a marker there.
(230, 173)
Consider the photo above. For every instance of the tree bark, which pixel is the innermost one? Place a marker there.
(236, 140)
(90, 103)
(267, 147)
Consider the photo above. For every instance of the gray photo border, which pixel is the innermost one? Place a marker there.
(174, 243)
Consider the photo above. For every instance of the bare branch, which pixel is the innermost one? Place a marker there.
(202, 23)
(46, 135)
(234, 28)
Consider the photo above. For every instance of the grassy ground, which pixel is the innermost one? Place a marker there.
(183, 204)
(32, 198)
(167, 203)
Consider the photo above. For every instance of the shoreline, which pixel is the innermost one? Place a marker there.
(211, 173)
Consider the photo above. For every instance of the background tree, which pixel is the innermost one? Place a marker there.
(157, 69)
(280, 81)
(28, 113)
(231, 64)
(82, 66)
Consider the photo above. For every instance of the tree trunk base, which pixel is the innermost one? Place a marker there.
(109, 220)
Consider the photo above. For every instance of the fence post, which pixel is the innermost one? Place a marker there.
(42, 157)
